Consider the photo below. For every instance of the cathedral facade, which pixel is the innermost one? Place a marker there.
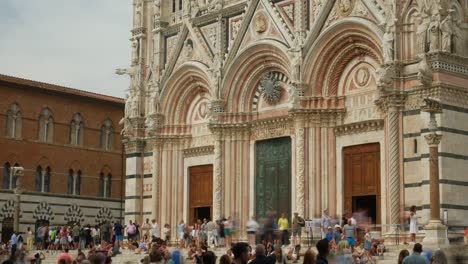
(240, 107)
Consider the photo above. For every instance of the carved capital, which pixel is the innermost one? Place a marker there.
(433, 139)
(391, 101)
(134, 146)
(431, 106)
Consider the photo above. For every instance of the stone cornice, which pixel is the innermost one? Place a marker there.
(134, 146)
(199, 151)
(208, 18)
(359, 127)
(172, 30)
(452, 95)
(394, 100)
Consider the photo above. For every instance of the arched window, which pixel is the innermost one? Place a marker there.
(13, 178)
(42, 179)
(78, 183)
(108, 190)
(105, 185)
(107, 131)
(101, 185)
(76, 130)
(13, 122)
(70, 181)
(173, 6)
(39, 179)
(7, 176)
(46, 126)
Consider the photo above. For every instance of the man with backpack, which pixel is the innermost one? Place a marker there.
(297, 224)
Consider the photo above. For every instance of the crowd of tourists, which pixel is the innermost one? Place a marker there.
(270, 240)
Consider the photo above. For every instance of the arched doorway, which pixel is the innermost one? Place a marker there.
(362, 180)
(273, 177)
(7, 229)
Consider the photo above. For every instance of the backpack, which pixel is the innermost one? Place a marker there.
(301, 220)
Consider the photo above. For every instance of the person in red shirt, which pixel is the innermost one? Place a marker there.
(65, 256)
(466, 236)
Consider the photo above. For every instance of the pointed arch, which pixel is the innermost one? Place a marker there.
(346, 40)
(184, 84)
(13, 126)
(245, 72)
(46, 126)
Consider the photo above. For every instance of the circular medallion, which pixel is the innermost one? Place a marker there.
(362, 77)
(203, 110)
(261, 23)
(270, 89)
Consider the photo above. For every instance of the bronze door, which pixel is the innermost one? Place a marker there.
(273, 177)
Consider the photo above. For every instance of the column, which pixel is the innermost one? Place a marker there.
(300, 183)
(217, 176)
(391, 103)
(155, 190)
(436, 232)
(393, 163)
(433, 141)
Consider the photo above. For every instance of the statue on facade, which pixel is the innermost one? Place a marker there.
(135, 111)
(135, 55)
(388, 40)
(446, 28)
(138, 15)
(188, 48)
(421, 34)
(157, 9)
(424, 71)
(293, 97)
(128, 106)
(385, 77)
(214, 5)
(296, 67)
(434, 34)
(194, 7)
(133, 72)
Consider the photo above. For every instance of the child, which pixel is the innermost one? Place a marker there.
(329, 234)
(380, 247)
(368, 246)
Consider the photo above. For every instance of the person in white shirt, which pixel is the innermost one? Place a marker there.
(145, 227)
(155, 227)
(252, 228)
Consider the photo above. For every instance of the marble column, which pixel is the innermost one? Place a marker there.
(155, 188)
(300, 182)
(436, 232)
(217, 176)
(391, 104)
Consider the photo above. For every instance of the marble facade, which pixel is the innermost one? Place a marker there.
(211, 78)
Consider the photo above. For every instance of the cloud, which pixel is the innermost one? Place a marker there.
(74, 43)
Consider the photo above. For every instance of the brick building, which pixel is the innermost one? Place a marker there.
(68, 142)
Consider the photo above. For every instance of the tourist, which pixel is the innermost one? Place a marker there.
(227, 231)
(14, 243)
(225, 259)
(344, 255)
(29, 239)
(337, 235)
(329, 234)
(297, 224)
(466, 236)
(294, 253)
(439, 257)
(63, 235)
(403, 254)
(283, 226)
(212, 234)
(146, 227)
(280, 259)
(180, 230)
(323, 251)
(325, 222)
(252, 229)
(118, 234)
(104, 228)
(350, 234)
(241, 253)
(208, 258)
(95, 233)
(359, 254)
(166, 232)
(131, 231)
(380, 247)
(137, 231)
(416, 257)
(154, 230)
(203, 233)
(76, 235)
(413, 224)
(65, 257)
(368, 245)
(261, 258)
(220, 230)
(309, 257)
(37, 258)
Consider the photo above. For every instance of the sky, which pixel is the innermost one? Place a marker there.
(73, 43)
